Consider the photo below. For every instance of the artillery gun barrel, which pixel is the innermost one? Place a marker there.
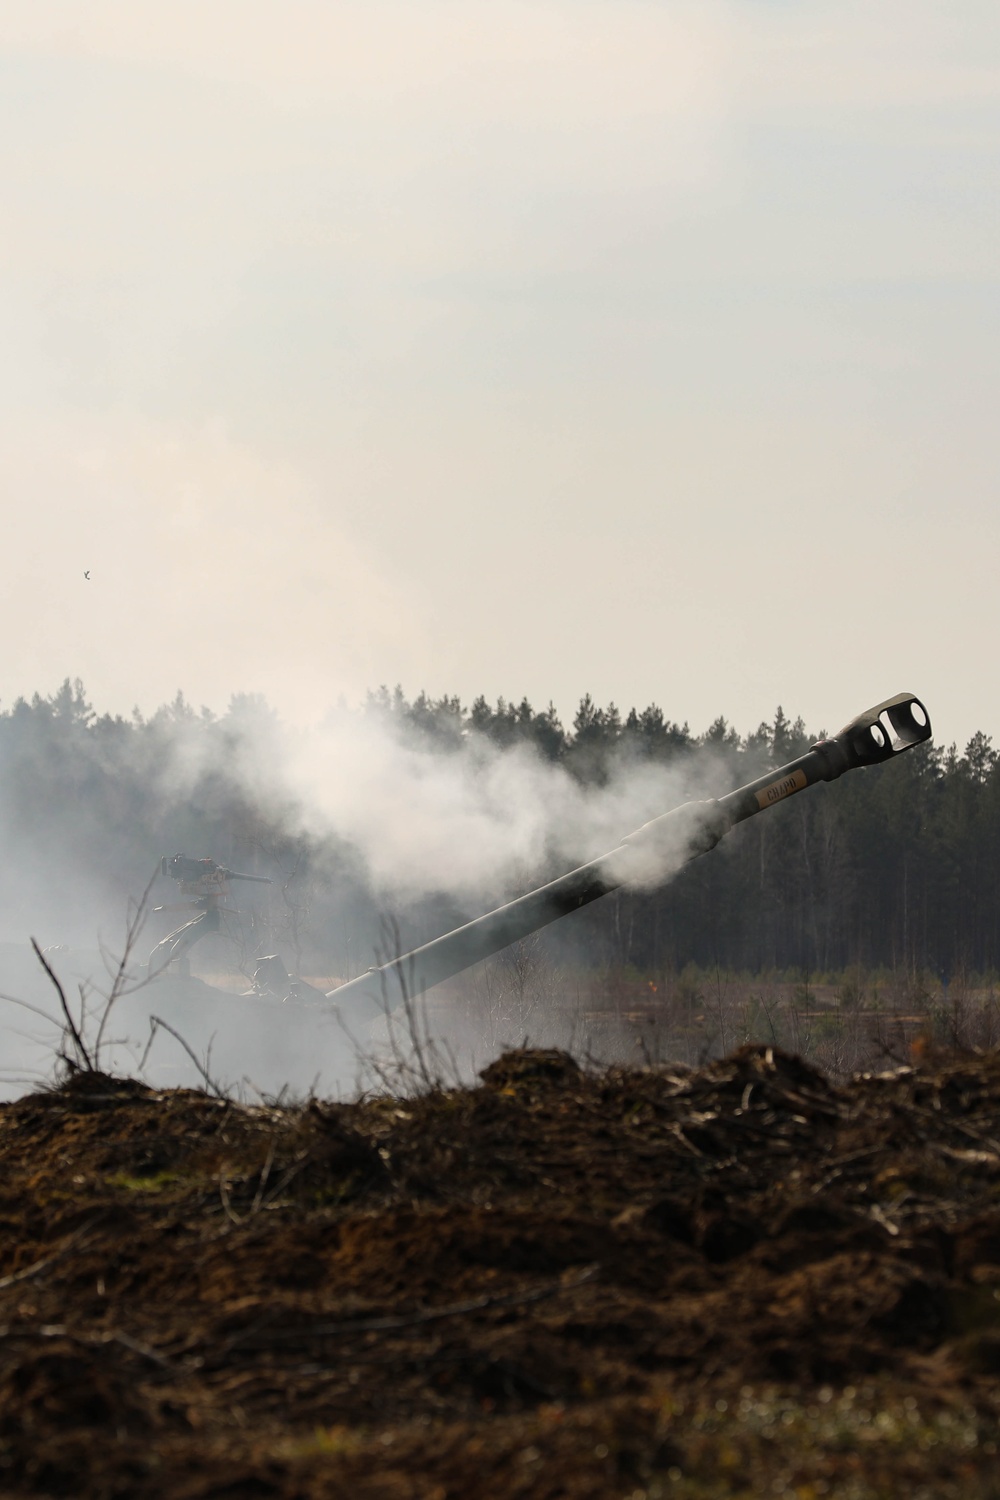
(645, 858)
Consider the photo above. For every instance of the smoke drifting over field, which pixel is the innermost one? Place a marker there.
(453, 815)
(475, 821)
(396, 808)
(418, 811)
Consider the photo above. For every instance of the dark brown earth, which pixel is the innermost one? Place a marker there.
(734, 1281)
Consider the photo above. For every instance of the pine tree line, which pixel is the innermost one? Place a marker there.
(896, 865)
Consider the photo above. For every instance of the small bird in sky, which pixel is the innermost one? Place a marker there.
(86, 573)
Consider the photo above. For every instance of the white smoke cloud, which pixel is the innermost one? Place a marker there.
(471, 820)
(476, 823)
(467, 822)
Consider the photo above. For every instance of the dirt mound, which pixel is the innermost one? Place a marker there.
(561, 1283)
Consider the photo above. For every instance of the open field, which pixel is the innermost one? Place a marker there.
(846, 1022)
(737, 1280)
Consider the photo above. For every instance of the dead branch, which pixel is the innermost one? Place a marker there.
(418, 1319)
(202, 1069)
(119, 983)
(77, 1038)
(49, 1260)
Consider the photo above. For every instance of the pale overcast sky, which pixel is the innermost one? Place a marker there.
(505, 346)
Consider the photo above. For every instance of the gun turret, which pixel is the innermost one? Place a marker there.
(207, 883)
(182, 868)
(644, 858)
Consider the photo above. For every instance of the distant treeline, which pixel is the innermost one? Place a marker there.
(896, 865)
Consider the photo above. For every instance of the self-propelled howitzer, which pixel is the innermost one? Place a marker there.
(645, 858)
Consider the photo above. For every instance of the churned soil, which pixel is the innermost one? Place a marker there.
(738, 1280)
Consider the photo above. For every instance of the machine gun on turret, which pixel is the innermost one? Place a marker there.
(207, 883)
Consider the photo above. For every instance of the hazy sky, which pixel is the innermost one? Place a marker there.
(504, 346)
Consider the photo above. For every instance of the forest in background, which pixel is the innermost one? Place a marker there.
(895, 866)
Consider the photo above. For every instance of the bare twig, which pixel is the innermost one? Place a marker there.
(258, 1199)
(119, 984)
(116, 1336)
(146, 1050)
(209, 1081)
(91, 1340)
(233, 1217)
(78, 1042)
(289, 1174)
(423, 1065)
(265, 1173)
(35, 1009)
(41, 1265)
(425, 1315)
